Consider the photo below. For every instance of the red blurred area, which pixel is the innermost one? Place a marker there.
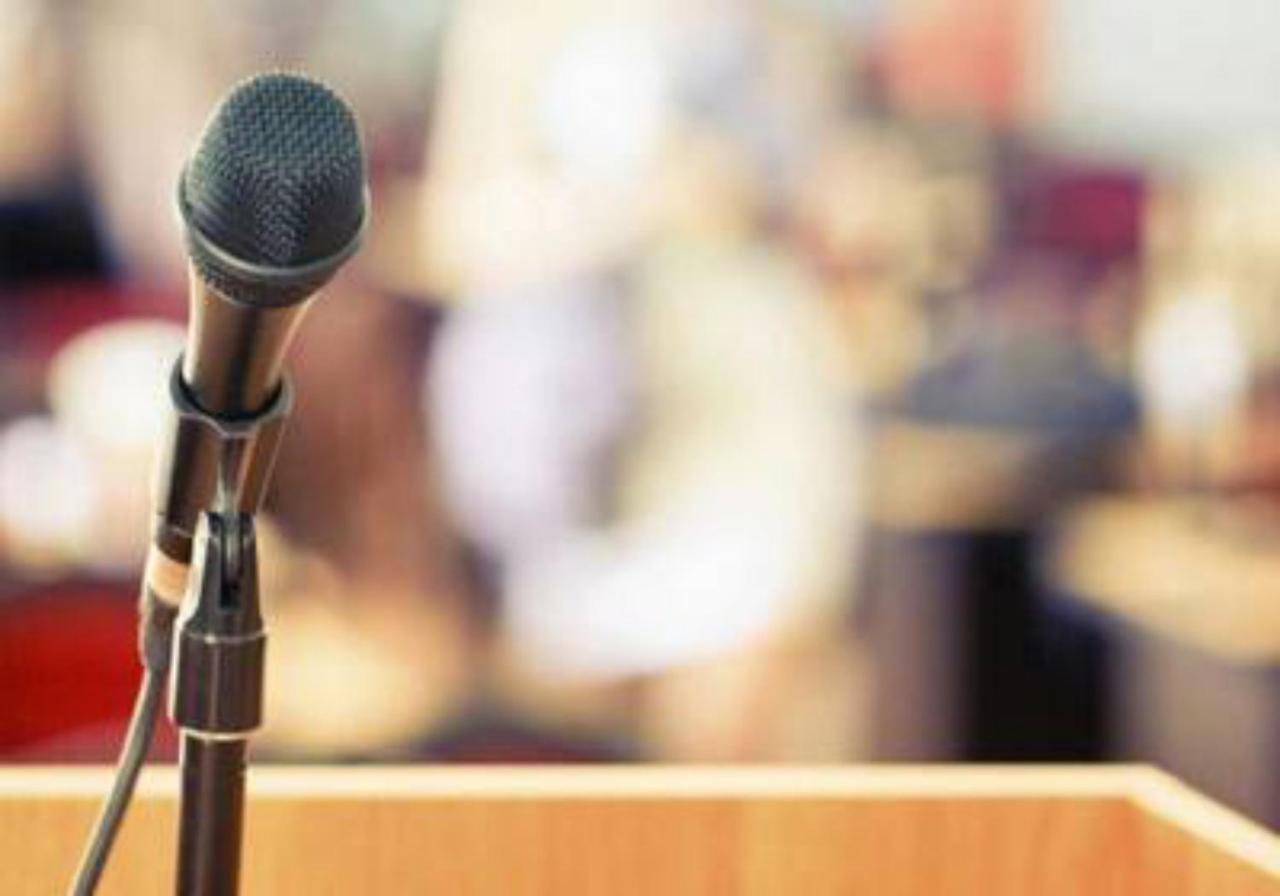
(68, 673)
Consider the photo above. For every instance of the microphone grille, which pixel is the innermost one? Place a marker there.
(276, 182)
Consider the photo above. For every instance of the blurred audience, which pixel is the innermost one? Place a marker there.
(686, 337)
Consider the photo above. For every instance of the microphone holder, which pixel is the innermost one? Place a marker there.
(211, 461)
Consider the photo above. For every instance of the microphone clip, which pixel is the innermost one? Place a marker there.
(213, 462)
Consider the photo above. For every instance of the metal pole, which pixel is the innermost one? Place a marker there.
(216, 702)
(212, 810)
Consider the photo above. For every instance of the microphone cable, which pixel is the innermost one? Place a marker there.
(155, 640)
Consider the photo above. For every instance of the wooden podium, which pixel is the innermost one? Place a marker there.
(476, 831)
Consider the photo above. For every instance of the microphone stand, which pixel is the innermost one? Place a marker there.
(216, 702)
(216, 673)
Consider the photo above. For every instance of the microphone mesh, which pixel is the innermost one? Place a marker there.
(278, 181)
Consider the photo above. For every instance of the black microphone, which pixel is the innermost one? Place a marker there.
(272, 202)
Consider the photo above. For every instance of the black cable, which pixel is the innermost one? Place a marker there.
(137, 743)
(155, 636)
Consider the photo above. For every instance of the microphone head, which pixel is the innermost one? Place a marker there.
(273, 200)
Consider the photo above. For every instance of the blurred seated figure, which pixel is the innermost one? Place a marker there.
(1020, 406)
(634, 395)
(1023, 365)
(661, 495)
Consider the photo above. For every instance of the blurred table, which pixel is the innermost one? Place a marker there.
(1185, 600)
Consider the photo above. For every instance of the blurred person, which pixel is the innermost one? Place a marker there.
(34, 98)
(613, 456)
(1016, 411)
(1209, 343)
(48, 497)
(108, 390)
(76, 472)
(674, 545)
(373, 638)
(1032, 343)
(147, 76)
(860, 211)
(46, 225)
(549, 120)
(530, 394)
(972, 60)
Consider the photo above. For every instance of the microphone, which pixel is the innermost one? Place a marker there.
(272, 202)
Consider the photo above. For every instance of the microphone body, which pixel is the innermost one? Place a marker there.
(235, 352)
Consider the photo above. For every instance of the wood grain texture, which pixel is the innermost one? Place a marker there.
(650, 830)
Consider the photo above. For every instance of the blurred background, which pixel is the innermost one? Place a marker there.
(804, 381)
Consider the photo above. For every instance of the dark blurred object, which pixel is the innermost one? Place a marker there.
(967, 667)
(964, 666)
(350, 480)
(493, 735)
(1031, 384)
(964, 670)
(1016, 417)
(41, 318)
(49, 235)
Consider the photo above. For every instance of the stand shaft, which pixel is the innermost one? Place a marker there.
(212, 814)
(216, 702)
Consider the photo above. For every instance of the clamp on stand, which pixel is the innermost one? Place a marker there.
(216, 673)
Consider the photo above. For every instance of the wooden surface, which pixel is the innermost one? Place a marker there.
(650, 830)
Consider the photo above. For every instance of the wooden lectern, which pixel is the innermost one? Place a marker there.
(476, 831)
